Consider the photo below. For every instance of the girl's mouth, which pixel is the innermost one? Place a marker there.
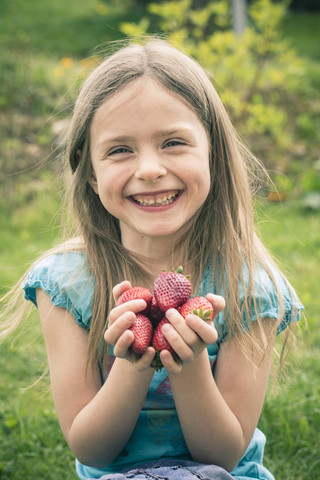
(156, 200)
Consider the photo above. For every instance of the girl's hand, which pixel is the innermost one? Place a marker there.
(118, 332)
(189, 337)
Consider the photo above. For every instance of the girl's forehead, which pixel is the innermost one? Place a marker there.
(128, 92)
(142, 85)
(138, 95)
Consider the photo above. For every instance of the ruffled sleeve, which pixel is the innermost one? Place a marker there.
(65, 278)
(265, 302)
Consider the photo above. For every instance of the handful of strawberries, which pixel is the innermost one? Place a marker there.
(170, 290)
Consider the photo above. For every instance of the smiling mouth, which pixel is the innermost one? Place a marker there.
(157, 200)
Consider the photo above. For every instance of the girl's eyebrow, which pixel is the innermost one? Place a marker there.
(120, 139)
(178, 130)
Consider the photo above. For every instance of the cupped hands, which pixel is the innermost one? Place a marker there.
(188, 337)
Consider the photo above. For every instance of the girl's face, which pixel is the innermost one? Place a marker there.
(150, 157)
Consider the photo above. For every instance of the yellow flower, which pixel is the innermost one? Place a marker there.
(66, 62)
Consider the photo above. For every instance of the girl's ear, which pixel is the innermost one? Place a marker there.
(92, 180)
(93, 183)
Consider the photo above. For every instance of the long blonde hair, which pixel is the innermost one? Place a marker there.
(223, 229)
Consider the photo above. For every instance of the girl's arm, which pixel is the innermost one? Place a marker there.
(218, 414)
(96, 420)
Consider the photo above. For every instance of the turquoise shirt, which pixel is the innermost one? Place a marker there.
(157, 434)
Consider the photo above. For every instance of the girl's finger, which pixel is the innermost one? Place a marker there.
(188, 337)
(185, 351)
(172, 366)
(145, 360)
(217, 302)
(134, 306)
(120, 288)
(205, 330)
(123, 344)
(180, 325)
(116, 329)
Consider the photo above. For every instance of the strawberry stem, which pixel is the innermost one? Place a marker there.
(156, 362)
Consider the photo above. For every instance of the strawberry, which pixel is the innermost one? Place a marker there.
(171, 289)
(142, 330)
(155, 314)
(198, 306)
(160, 343)
(137, 293)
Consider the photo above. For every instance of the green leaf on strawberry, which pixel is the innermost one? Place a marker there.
(199, 306)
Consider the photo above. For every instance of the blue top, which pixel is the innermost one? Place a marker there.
(157, 434)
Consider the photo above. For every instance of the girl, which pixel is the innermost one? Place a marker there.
(159, 179)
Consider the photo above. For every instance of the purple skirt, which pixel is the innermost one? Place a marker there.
(166, 469)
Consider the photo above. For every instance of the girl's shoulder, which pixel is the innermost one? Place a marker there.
(272, 295)
(265, 294)
(63, 274)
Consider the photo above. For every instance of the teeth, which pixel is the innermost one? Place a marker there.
(158, 200)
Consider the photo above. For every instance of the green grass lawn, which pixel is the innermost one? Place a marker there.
(290, 417)
(43, 44)
(61, 29)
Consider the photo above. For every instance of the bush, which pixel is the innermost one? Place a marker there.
(262, 81)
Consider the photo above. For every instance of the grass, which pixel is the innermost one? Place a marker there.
(43, 44)
(290, 417)
(61, 29)
(53, 28)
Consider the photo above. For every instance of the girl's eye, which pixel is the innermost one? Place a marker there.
(174, 143)
(118, 151)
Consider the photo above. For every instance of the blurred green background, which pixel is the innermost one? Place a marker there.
(268, 78)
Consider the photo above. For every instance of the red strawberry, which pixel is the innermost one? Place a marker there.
(171, 289)
(155, 313)
(136, 293)
(199, 306)
(142, 330)
(160, 343)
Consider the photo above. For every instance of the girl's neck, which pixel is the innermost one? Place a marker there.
(154, 254)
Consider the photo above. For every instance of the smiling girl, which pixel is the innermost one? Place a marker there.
(150, 160)
(159, 179)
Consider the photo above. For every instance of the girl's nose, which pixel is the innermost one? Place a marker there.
(150, 167)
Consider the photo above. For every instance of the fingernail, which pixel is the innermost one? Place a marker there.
(140, 303)
(166, 328)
